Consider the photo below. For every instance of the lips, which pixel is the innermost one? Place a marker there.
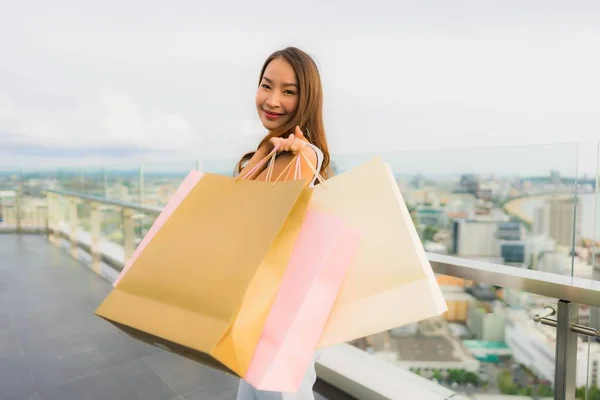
(271, 115)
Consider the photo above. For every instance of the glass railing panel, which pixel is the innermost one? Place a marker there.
(506, 205)
(159, 183)
(111, 226)
(486, 343)
(93, 181)
(33, 211)
(69, 179)
(123, 183)
(221, 166)
(589, 362)
(8, 195)
(511, 205)
(10, 178)
(161, 180)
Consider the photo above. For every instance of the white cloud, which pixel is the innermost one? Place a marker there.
(104, 118)
(397, 75)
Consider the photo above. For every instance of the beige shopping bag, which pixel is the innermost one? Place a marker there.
(390, 282)
(203, 285)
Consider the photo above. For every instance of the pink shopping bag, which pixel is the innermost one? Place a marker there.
(321, 256)
(182, 191)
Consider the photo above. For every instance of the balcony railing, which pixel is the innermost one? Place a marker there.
(549, 311)
(346, 367)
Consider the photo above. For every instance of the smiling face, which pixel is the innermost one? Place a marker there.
(277, 94)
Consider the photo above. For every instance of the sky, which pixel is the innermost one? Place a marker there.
(123, 82)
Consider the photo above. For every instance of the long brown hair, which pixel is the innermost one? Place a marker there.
(309, 112)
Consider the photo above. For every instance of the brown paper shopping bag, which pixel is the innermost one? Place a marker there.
(203, 286)
(390, 281)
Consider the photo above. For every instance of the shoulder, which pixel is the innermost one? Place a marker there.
(312, 152)
(316, 152)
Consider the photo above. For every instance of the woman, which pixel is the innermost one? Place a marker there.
(289, 101)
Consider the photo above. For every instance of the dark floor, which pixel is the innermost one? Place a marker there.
(52, 347)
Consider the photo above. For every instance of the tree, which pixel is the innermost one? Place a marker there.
(506, 383)
(429, 233)
(593, 393)
(545, 391)
(472, 378)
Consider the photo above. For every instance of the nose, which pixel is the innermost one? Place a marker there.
(273, 101)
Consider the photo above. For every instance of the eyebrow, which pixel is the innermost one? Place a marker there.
(284, 84)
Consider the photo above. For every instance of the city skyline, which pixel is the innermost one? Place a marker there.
(569, 159)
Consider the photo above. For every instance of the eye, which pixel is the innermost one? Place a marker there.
(265, 86)
(290, 92)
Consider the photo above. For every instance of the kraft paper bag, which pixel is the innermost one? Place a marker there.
(203, 286)
(315, 272)
(389, 282)
(183, 190)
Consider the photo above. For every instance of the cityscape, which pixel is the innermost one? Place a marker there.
(487, 342)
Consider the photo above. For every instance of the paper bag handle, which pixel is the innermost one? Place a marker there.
(260, 164)
(298, 171)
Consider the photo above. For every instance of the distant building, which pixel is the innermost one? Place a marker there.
(431, 216)
(458, 302)
(469, 183)
(534, 346)
(482, 292)
(490, 237)
(486, 324)
(447, 280)
(488, 351)
(472, 238)
(511, 231)
(485, 193)
(513, 253)
(560, 219)
(537, 246)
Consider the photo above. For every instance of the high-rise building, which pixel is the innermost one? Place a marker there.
(458, 302)
(560, 219)
(510, 231)
(485, 324)
(534, 345)
(475, 238)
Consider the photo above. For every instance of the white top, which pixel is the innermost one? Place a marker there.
(320, 158)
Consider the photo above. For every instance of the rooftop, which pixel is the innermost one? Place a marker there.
(53, 347)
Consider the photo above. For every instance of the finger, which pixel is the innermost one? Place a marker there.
(289, 142)
(275, 142)
(298, 133)
(297, 148)
(298, 145)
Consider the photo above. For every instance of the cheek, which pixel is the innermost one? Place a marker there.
(291, 104)
(258, 98)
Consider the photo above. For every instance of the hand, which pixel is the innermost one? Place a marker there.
(293, 143)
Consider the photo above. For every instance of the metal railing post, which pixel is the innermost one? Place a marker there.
(141, 184)
(17, 208)
(73, 226)
(566, 350)
(105, 182)
(95, 221)
(128, 233)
